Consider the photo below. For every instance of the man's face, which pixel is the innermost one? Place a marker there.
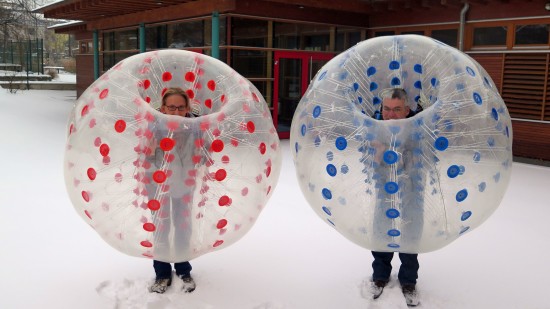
(394, 109)
(175, 105)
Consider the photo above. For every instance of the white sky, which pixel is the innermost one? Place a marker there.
(290, 259)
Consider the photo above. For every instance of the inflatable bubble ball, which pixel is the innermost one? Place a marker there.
(413, 184)
(166, 186)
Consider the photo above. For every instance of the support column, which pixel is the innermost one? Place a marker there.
(142, 47)
(96, 54)
(216, 35)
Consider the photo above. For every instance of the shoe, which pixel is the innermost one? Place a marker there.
(411, 295)
(377, 287)
(188, 284)
(160, 285)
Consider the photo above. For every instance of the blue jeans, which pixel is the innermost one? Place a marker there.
(163, 270)
(408, 272)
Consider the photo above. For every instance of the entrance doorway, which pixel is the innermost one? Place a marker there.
(293, 72)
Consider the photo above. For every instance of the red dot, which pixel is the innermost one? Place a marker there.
(91, 173)
(148, 99)
(225, 159)
(104, 94)
(84, 110)
(88, 214)
(208, 103)
(234, 142)
(146, 84)
(159, 176)
(223, 98)
(190, 76)
(255, 97)
(220, 174)
(217, 243)
(224, 201)
(104, 150)
(211, 85)
(85, 196)
(250, 126)
(166, 76)
(120, 126)
(262, 148)
(146, 244)
(163, 92)
(268, 190)
(190, 93)
(221, 224)
(167, 144)
(268, 171)
(196, 159)
(217, 145)
(149, 227)
(199, 142)
(153, 205)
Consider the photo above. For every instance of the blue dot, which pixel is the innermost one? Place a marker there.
(434, 82)
(390, 157)
(392, 213)
(394, 233)
(448, 124)
(477, 98)
(327, 211)
(343, 76)
(418, 84)
(394, 65)
(322, 75)
(461, 195)
(304, 129)
(464, 229)
(453, 171)
(330, 156)
(376, 101)
(331, 222)
(466, 215)
(477, 156)
(326, 194)
(395, 129)
(341, 143)
(331, 170)
(441, 143)
(316, 111)
(417, 98)
(491, 142)
(495, 114)
(460, 87)
(296, 147)
(371, 71)
(481, 187)
(486, 81)
(344, 169)
(395, 81)
(355, 86)
(393, 246)
(391, 187)
(367, 123)
(373, 86)
(496, 177)
(507, 132)
(360, 99)
(470, 71)
(418, 68)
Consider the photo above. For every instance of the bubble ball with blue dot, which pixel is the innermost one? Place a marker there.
(408, 185)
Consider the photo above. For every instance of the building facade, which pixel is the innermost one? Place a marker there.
(280, 44)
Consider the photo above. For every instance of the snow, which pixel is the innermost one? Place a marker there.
(62, 78)
(290, 259)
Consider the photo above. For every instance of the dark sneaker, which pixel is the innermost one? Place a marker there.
(411, 295)
(188, 284)
(160, 285)
(377, 287)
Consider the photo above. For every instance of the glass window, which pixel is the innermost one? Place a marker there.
(302, 36)
(186, 34)
(126, 40)
(109, 39)
(413, 32)
(110, 59)
(250, 63)
(531, 34)
(346, 38)
(490, 36)
(155, 37)
(263, 88)
(447, 36)
(248, 32)
(222, 31)
(384, 33)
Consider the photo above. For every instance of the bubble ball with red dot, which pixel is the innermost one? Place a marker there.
(163, 186)
(408, 185)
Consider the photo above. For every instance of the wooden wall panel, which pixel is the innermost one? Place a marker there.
(531, 140)
(84, 73)
(492, 63)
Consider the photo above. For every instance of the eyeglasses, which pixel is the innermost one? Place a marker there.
(173, 108)
(395, 110)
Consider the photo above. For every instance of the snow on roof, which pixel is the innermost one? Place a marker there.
(65, 24)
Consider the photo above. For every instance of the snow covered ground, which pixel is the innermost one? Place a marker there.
(290, 259)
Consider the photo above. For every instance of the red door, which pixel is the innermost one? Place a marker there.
(293, 72)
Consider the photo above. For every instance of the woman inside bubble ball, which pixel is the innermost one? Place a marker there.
(175, 101)
(394, 107)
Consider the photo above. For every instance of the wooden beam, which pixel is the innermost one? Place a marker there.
(184, 10)
(340, 5)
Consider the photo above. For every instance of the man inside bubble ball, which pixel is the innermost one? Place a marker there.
(394, 107)
(175, 101)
